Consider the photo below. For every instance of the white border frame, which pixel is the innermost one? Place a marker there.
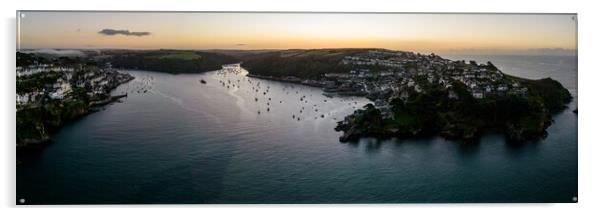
(589, 75)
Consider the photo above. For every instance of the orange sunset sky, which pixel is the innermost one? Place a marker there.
(412, 32)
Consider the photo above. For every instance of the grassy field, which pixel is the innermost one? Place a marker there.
(182, 56)
(316, 52)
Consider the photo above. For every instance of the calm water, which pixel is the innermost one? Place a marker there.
(185, 142)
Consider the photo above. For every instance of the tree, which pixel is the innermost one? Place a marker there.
(490, 66)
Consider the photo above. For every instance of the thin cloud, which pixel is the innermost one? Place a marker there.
(113, 32)
(57, 52)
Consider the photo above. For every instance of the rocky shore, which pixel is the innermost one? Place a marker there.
(520, 119)
(49, 100)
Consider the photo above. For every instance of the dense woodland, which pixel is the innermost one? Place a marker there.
(433, 113)
(168, 61)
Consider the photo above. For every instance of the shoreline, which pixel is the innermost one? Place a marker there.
(514, 131)
(311, 83)
(38, 144)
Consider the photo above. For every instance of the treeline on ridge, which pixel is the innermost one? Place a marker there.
(169, 61)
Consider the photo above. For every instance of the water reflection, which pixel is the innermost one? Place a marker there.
(183, 141)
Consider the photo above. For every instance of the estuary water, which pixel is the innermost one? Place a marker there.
(177, 140)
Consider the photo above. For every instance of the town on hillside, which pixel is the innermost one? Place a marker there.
(53, 91)
(39, 82)
(383, 75)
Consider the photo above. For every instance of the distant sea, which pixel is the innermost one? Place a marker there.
(175, 140)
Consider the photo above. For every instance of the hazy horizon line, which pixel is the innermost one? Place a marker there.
(467, 51)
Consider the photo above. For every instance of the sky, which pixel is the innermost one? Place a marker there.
(410, 32)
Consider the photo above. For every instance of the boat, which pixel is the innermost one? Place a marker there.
(203, 81)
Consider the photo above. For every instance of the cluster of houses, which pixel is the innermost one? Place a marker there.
(40, 68)
(96, 81)
(29, 97)
(56, 90)
(356, 60)
(400, 69)
(483, 81)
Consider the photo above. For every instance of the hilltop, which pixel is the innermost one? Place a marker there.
(168, 61)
